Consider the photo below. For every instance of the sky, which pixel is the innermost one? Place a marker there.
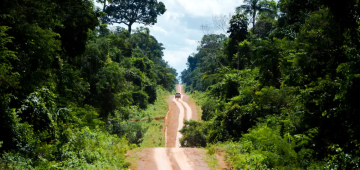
(178, 29)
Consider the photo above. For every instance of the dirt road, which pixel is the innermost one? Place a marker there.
(173, 156)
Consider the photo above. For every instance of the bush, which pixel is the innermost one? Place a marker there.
(86, 149)
(44, 136)
(194, 134)
(264, 148)
(132, 131)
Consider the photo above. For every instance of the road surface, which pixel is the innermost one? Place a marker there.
(173, 156)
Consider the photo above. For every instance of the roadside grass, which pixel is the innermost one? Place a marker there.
(211, 160)
(160, 107)
(216, 153)
(132, 157)
(154, 136)
(196, 97)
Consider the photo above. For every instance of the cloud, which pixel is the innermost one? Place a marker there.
(178, 58)
(182, 22)
(208, 7)
(179, 28)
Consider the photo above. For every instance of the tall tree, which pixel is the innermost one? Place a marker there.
(252, 7)
(104, 3)
(129, 12)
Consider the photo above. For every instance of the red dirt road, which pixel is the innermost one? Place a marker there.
(173, 156)
(172, 159)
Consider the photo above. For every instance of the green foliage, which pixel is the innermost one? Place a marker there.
(70, 88)
(109, 85)
(253, 7)
(9, 78)
(238, 28)
(284, 96)
(139, 11)
(133, 131)
(154, 136)
(209, 108)
(160, 106)
(263, 148)
(193, 134)
(86, 149)
(46, 135)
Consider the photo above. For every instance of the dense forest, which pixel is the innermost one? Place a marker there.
(69, 85)
(279, 89)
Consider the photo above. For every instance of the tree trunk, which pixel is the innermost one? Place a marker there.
(129, 29)
(254, 15)
(104, 5)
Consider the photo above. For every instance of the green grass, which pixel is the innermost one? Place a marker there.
(132, 157)
(211, 160)
(160, 107)
(196, 98)
(154, 136)
(215, 152)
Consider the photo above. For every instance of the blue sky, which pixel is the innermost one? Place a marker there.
(179, 28)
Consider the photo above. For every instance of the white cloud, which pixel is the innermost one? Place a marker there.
(156, 28)
(208, 7)
(182, 21)
(178, 58)
(192, 42)
(179, 28)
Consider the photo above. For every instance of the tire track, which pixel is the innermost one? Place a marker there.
(161, 159)
(181, 105)
(187, 107)
(180, 123)
(174, 158)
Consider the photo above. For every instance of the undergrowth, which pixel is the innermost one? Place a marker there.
(154, 135)
(160, 107)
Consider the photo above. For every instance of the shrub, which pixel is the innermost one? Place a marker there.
(194, 134)
(132, 131)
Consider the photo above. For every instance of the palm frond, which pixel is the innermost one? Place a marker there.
(243, 9)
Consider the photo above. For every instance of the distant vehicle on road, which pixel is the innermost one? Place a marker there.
(177, 95)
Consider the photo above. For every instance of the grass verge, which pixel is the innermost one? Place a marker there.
(196, 98)
(160, 107)
(154, 136)
(216, 157)
(211, 160)
(154, 122)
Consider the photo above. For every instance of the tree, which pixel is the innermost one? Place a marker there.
(272, 13)
(252, 7)
(219, 25)
(208, 48)
(129, 12)
(238, 28)
(104, 3)
(110, 84)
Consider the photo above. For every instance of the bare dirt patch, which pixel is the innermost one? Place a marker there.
(146, 159)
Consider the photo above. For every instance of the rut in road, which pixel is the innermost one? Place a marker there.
(173, 156)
